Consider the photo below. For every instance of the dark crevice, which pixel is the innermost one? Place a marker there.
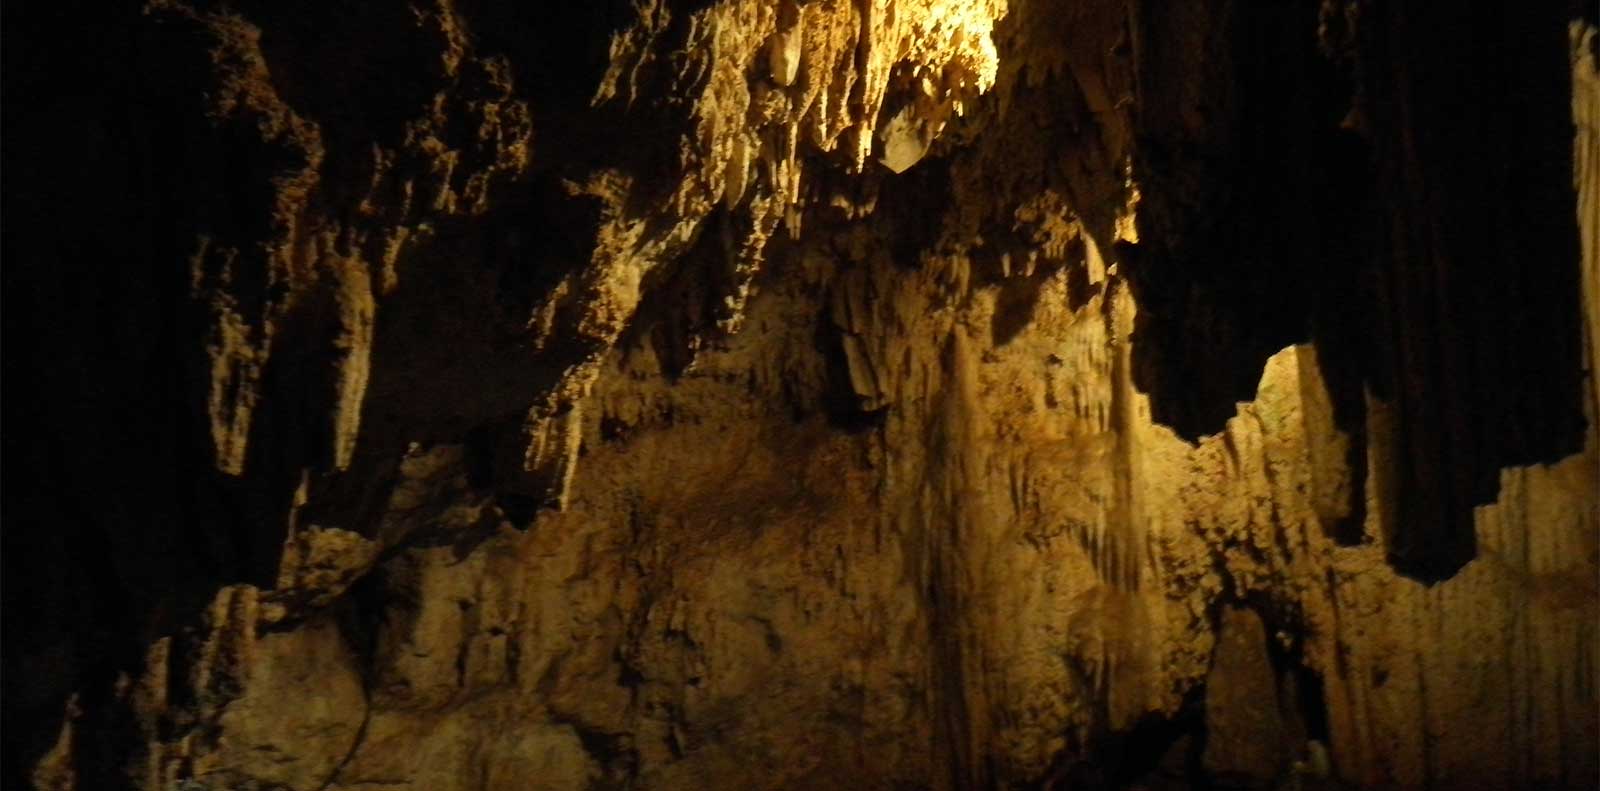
(841, 404)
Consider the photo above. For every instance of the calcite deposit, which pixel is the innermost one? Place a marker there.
(801, 394)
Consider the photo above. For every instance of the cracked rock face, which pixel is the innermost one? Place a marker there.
(944, 394)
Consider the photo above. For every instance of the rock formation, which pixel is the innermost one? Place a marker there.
(795, 394)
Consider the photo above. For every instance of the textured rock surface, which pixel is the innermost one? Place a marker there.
(1245, 734)
(864, 394)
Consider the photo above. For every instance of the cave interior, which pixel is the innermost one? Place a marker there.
(800, 394)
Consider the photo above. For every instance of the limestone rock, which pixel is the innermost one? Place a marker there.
(1244, 732)
(469, 395)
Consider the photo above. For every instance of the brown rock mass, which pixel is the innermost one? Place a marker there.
(801, 394)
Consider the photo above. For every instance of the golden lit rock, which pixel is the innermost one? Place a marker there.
(797, 394)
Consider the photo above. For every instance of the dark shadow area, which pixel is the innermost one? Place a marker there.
(1155, 753)
(1399, 193)
(841, 405)
(117, 526)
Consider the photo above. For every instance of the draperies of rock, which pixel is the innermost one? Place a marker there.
(1430, 149)
(863, 393)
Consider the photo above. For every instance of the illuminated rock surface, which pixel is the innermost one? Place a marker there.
(946, 394)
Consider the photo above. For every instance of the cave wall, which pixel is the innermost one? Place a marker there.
(455, 396)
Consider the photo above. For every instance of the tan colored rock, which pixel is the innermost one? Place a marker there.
(1244, 731)
(876, 504)
(301, 714)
